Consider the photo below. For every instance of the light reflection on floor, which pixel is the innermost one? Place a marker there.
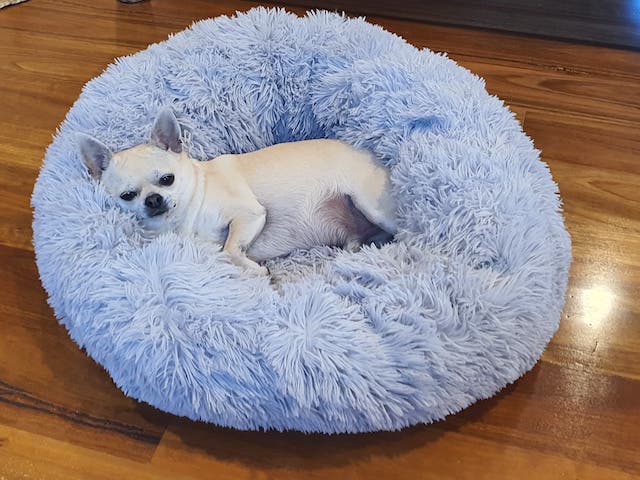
(597, 303)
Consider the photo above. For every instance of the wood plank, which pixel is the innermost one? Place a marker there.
(21, 156)
(27, 455)
(610, 22)
(592, 407)
(502, 48)
(596, 167)
(561, 92)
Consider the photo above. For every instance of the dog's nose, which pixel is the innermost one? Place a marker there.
(153, 200)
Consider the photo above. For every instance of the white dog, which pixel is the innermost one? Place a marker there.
(261, 205)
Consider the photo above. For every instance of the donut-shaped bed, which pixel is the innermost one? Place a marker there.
(459, 305)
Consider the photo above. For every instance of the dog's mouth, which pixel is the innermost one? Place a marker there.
(154, 212)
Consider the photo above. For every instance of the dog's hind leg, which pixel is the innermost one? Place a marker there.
(376, 203)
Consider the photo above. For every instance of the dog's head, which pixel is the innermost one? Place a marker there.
(150, 180)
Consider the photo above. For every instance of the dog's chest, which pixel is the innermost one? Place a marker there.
(211, 226)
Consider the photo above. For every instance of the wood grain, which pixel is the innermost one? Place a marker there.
(596, 166)
(576, 415)
(611, 22)
(28, 455)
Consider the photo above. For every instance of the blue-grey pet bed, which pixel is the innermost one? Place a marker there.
(461, 304)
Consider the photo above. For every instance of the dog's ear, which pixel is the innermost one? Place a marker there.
(166, 131)
(96, 156)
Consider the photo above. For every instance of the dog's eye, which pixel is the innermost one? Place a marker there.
(166, 180)
(128, 196)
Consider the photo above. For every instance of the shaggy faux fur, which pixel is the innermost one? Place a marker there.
(461, 304)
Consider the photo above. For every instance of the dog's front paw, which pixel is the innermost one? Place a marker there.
(259, 270)
(255, 268)
(249, 265)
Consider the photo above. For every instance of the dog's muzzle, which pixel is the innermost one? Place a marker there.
(155, 205)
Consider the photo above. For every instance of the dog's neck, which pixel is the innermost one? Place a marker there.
(201, 214)
(193, 209)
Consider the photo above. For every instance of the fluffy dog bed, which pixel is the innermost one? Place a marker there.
(461, 304)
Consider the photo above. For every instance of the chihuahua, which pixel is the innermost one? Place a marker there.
(259, 205)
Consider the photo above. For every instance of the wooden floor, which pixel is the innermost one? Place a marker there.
(575, 416)
(614, 23)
